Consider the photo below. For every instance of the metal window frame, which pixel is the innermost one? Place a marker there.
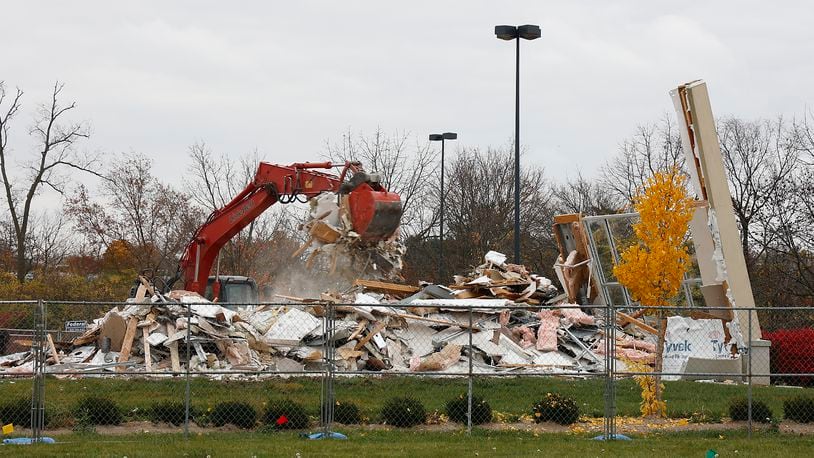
(605, 284)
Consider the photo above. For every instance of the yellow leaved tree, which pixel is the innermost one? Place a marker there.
(652, 269)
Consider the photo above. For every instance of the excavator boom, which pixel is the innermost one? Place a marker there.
(375, 212)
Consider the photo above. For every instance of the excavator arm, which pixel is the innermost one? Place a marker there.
(375, 213)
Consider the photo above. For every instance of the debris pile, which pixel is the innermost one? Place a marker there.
(496, 278)
(493, 314)
(331, 233)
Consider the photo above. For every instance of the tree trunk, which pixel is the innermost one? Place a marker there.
(660, 354)
(22, 265)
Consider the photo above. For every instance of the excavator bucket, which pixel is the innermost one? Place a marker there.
(375, 214)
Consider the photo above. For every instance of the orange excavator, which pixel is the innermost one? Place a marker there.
(375, 215)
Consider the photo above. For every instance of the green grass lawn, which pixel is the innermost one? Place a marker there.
(510, 395)
(407, 443)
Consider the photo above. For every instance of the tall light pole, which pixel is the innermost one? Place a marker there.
(510, 32)
(442, 138)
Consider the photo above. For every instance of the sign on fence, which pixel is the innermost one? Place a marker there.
(76, 326)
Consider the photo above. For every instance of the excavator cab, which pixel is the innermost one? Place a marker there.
(234, 289)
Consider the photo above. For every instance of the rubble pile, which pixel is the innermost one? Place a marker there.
(377, 326)
(496, 278)
(331, 234)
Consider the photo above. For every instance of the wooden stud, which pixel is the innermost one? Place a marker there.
(384, 287)
(148, 362)
(304, 247)
(376, 329)
(141, 293)
(176, 364)
(640, 324)
(127, 344)
(358, 329)
(430, 320)
(53, 349)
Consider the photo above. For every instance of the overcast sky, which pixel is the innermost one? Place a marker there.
(284, 77)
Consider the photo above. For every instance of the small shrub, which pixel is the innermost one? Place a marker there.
(240, 414)
(403, 412)
(285, 414)
(457, 409)
(739, 410)
(94, 410)
(556, 408)
(57, 416)
(171, 412)
(799, 409)
(17, 411)
(347, 413)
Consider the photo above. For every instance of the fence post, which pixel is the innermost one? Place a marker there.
(749, 371)
(610, 394)
(38, 389)
(469, 380)
(187, 388)
(327, 395)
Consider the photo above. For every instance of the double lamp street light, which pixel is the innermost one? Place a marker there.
(503, 32)
(510, 32)
(442, 138)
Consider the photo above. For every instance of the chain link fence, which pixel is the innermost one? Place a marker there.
(118, 368)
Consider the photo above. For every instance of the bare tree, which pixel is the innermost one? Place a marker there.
(654, 147)
(479, 211)
(786, 266)
(802, 132)
(211, 183)
(406, 170)
(56, 143)
(50, 242)
(581, 195)
(786, 269)
(759, 158)
(7, 245)
(152, 217)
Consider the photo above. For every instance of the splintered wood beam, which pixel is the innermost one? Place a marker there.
(376, 329)
(176, 364)
(431, 320)
(127, 344)
(147, 285)
(304, 300)
(53, 349)
(384, 287)
(566, 219)
(141, 293)
(148, 363)
(304, 247)
(640, 324)
(359, 328)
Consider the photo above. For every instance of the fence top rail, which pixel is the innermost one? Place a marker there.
(507, 305)
(29, 330)
(717, 308)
